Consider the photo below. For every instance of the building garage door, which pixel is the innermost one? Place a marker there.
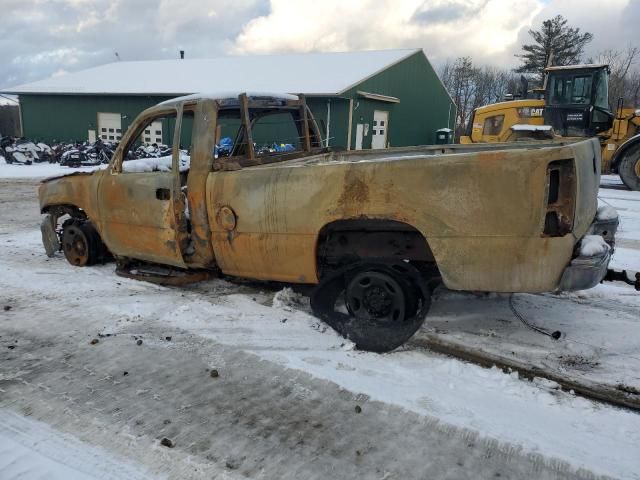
(153, 133)
(110, 126)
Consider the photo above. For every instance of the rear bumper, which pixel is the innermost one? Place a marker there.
(586, 272)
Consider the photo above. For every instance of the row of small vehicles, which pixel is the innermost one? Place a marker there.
(23, 151)
(27, 152)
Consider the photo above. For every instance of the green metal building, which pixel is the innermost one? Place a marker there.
(371, 99)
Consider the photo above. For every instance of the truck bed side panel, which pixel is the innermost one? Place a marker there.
(482, 214)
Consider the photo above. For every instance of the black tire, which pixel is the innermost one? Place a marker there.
(81, 243)
(629, 169)
(398, 304)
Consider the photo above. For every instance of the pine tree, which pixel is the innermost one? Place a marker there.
(556, 38)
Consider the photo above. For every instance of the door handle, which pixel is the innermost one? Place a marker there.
(163, 194)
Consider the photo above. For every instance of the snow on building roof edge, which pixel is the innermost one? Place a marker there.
(314, 73)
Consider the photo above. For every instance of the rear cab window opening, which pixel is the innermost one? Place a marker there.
(273, 133)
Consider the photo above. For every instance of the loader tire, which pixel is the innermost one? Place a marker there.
(629, 169)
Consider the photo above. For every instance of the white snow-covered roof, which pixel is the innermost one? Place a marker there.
(309, 73)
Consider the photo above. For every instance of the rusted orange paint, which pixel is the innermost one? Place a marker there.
(480, 209)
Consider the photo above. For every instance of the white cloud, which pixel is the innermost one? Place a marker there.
(60, 56)
(490, 31)
(605, 19)
(478, 28)
(42, 36)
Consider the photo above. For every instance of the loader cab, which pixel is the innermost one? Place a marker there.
(577, 100)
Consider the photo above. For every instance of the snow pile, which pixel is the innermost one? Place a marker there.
(156, 164)
(593, 245)
(606, 212)
(288, 299)
(2, 160)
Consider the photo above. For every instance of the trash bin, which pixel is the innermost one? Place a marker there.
(444, 136)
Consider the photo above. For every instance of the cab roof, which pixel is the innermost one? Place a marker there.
(584, 66)
(230, 98)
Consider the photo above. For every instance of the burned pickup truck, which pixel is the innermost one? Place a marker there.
(373, 231)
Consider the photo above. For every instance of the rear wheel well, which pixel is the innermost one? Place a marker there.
(344, 242)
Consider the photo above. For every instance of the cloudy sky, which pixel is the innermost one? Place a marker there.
(40, 38)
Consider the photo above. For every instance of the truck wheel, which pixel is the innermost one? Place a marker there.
(629, 169)
(377, 306)
(81, 243)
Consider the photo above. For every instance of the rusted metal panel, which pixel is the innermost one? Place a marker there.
(201, 164)
(77, 189)
(134, 222)
(246, 121)
(481, 209)
(304, 117)
(481, 240)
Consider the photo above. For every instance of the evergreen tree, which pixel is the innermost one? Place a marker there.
(556, 38)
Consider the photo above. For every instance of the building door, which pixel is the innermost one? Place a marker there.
(153, 133)
(110, 126)
(380, 126)
(359, 135)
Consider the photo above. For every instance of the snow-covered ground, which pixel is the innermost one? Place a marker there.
(33, 450)
(56, 309)
(38, 170)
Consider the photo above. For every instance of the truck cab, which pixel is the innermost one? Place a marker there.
(577, 100)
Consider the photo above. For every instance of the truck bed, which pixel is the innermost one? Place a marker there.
(406, 153)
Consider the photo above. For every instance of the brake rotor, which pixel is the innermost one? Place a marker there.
(75, 245)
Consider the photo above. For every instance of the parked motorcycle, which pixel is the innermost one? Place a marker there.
(84, 155)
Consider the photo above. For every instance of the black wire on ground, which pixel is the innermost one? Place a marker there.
(555, 335)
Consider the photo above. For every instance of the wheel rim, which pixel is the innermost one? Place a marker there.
(637, 168)
(375, 296)
(75, 246)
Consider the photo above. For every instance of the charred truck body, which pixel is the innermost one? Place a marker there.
(374, 231)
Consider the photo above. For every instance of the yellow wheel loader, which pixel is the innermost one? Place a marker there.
(575, 103)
